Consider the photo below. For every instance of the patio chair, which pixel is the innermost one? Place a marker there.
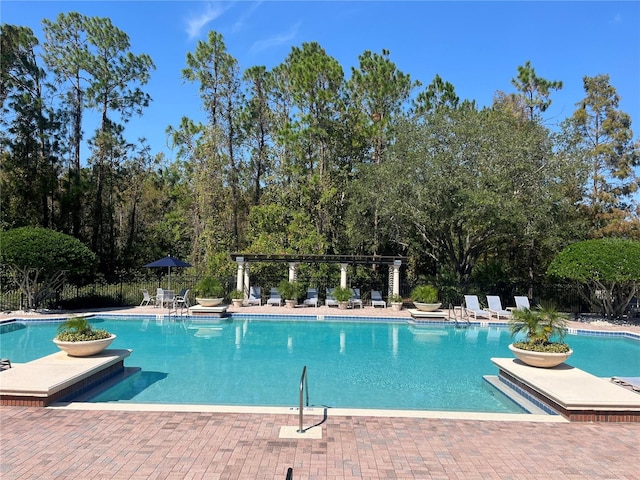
(146, 298)
(182, 300)
(274, 297)
(376, 299)
(169, 299)
(159, 297)
(472, 307)
(330, 300)
(255, 296)
(356, 301)
(522, 303)
(312, 297)
(495, 307)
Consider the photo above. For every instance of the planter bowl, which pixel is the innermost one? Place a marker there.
(86, 348)
(427, 307)
(540, 359)
(209, 302)
(396, 306)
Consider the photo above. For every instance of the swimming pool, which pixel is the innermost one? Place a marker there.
(254, 361)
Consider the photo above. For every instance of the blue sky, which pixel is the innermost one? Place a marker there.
(477, 45)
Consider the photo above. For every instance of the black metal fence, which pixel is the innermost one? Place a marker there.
(123, 291)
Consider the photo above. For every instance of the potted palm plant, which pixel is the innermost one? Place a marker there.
(237, 298)
(290, 291)
(539, 325)
(342, 296)
(425, 298)
(209, 292)
(78, 338)
(396, 302)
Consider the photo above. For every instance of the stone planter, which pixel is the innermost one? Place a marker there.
(84, 349)
(540, 359)
(237, 302)
(290, 303)
(343, 305)
(396, 306)
(209, 302)
(427, 307)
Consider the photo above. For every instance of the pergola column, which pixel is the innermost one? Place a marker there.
(240, 275)
(343, 275)
(396, 276)
(293, 271)
(247, 283)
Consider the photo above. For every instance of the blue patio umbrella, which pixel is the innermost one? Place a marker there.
(168, 262)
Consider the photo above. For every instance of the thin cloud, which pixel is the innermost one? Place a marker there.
(239, 25)
(197, 21)
(276, 40)
(617, 18)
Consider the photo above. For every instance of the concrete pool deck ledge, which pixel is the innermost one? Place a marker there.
(574, 393)
(58, 376)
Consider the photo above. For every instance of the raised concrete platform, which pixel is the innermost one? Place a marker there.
(219, 311)
(57, 377)
(574, 393)
(436, 315)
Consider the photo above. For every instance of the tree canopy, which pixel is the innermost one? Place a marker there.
(608, 267)
(40, 260)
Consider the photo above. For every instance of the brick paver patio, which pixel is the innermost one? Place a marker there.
(42, 443)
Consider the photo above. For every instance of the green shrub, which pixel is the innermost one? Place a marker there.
(290, 290)
(539, 326)
(342, 294)
(395, 298)
(208, 287)
(78, 329)
(425, 294)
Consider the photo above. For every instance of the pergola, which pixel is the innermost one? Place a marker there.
(244, 261)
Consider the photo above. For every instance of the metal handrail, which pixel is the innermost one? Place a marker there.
(452, 308)
(304, 385)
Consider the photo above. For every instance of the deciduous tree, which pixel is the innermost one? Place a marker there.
(608, 267)
(41, 260)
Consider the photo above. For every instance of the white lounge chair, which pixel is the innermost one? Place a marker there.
(146, 298)
(330, 301)
(495, 307)
(355, 300)
(255, 296)
(274, 297)
(312, 297)
(472, 307)
(522, 303)
(376, 299)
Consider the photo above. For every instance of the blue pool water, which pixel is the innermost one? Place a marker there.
(350, 365)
